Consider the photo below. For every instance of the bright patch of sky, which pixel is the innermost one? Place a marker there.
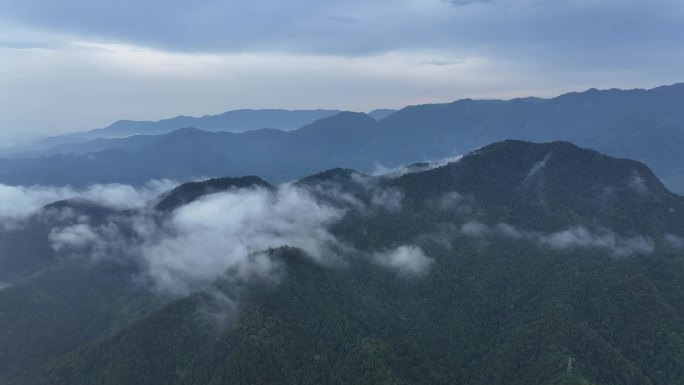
(75, 65)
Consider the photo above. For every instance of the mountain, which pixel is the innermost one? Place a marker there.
(61, 310)
(192, 191)
(188, 153)
(520, 263)
(645, 125)
(381, 113)
(545, 179)
(231, 121)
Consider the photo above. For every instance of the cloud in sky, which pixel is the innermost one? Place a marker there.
(466, 2)
(357, 27)
(121, 78)
(156, 59)
(377, 26)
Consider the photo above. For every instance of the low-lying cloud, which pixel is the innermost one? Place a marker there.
(675, 241)
(606, 239)
(205, 238)
(20, 201)
(408, 260)
(388, 198)
(190, 248)
(573, 237)
(538, 167)
(395, 172)
(74, 236)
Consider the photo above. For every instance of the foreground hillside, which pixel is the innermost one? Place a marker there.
(499, 268)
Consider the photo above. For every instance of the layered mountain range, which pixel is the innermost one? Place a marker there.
(646, 125)
(519, 263)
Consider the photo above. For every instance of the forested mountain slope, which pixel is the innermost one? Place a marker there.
(498, 268)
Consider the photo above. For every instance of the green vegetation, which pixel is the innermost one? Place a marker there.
(497, 306)
(63, 309)
(504, 314)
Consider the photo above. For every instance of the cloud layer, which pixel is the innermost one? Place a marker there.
(190, 248)
(154, 59)
(396, 172)
(205, 238)
(20, 201)
(573, 237)
(408, 260)
(356, 27)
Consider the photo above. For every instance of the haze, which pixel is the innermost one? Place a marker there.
(76, 65)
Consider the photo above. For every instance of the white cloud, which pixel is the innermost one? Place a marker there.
(467, 2)
(198, 242)
(396, 172)
(74, 236)
(510, 231)
(537, 167)
(573, 237)
(675, 241)
(450, 200)
(637, 182)
(232, 230)
(474, 228)
(20, 201)
(456, 203)
(201, 241)
(606, 239)
(406, 259)
(125, 196)
(350, 55)
(388, 198)
(121, 78)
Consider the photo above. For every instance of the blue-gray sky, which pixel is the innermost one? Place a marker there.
(73, 65)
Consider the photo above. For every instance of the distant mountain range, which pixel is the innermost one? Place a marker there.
(518, 264)
(231, 121)
(646, 125)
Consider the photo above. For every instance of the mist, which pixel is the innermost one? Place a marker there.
(572, 237)
(188, 249)
(675, 241)
(395, 172)
(408, 260)
(20, 201)
(203, 239)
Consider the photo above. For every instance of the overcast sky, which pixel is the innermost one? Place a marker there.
(73, 65)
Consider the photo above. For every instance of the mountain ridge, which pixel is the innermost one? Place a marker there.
(647, 125)
(231, 121)
(522, 273)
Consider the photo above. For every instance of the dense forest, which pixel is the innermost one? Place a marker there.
(519, 264)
